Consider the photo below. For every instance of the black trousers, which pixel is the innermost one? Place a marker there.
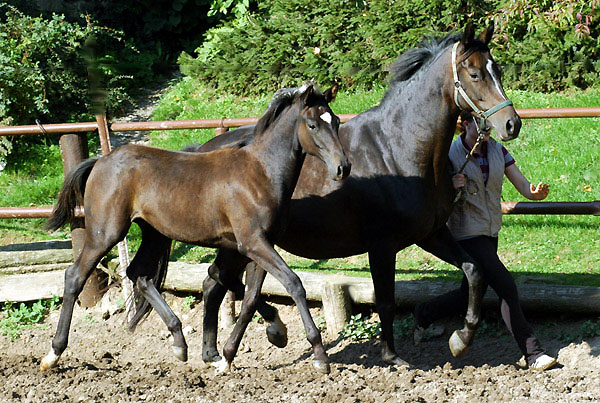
(484, 250)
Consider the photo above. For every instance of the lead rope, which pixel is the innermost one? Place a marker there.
(480, 138)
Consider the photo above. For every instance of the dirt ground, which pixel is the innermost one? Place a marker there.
(104, 362)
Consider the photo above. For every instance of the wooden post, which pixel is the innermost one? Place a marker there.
(227, 311)
(336, 306)
(74, 149)
(126, 283)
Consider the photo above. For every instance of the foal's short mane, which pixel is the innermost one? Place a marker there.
(282, 99)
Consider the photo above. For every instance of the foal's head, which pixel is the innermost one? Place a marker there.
(479, 76)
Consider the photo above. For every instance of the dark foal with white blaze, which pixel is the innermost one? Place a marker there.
(399, 192)
(232, 199)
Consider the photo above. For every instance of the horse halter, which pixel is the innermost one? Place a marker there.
(459, 89)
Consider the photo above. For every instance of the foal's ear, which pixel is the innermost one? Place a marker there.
(468, 35)
(486, 36)
(331, 93)
(307, 93)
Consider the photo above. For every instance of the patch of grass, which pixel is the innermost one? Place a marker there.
(16, 318)
(360, 328)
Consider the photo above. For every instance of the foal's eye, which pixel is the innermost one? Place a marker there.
(312, 126)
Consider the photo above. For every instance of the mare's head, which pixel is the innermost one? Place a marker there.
(316, 127)
(478, 85)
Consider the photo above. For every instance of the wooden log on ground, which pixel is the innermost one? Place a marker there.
(31, 286)
(28, 254)
(535, 297)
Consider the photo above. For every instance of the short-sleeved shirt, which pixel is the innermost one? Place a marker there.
(482, 159)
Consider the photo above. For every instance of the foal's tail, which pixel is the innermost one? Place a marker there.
(71, 195)
(142, 306)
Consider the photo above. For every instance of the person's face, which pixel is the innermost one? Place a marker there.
(471, 130)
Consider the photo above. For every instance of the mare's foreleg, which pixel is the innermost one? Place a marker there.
(443, 245)
(141, 271)
(382, 261)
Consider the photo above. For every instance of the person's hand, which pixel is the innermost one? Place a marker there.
(459, 181)
(540, 191)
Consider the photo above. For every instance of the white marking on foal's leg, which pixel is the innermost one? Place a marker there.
(222, 366)
(326, 117)
(49, 360)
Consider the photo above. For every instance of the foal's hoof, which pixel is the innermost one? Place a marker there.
(458, 347)
(222, 366)
(276, 337)
(49, 361)
(181, 353)
(322, 366)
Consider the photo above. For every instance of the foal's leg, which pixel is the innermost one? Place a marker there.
(75, 277)
(255, 277)
(382, 262)
(141, 270)
(265, 256)
(442, 245)
(214, 288)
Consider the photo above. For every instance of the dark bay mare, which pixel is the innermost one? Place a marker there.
(399, 192)
(235, 199)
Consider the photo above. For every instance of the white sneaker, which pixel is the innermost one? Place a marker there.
(542, 363)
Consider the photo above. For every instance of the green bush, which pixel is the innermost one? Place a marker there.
(287, 41)
(548, 45)
(544, 45)
(43, 73)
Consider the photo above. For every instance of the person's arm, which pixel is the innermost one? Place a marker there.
(520, 182)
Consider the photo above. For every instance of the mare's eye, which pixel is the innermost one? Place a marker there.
(474, 76)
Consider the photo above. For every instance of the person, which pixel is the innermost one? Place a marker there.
(474, 223)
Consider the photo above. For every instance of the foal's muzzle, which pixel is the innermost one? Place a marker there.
(343, 169)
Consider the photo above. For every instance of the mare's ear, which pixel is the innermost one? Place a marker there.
(331, 93)
(307, 93)
(486, 36)
(468, 35)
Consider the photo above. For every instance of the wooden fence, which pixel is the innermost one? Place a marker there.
(73, 144)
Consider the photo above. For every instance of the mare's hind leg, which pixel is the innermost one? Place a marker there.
(141, 271)
(382, 259)
(443, 245)
(223, 275)
(75, 278)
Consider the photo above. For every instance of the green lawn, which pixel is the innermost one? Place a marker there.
(562, 152)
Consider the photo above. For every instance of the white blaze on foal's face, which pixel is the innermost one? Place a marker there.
(326, 117)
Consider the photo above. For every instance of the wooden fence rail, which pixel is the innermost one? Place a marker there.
(222, 125)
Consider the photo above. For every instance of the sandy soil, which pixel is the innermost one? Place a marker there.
(104, 362)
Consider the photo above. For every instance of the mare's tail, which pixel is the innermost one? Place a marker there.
(71, 195)
(142, 306)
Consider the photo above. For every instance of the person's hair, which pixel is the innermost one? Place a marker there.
(464, 116)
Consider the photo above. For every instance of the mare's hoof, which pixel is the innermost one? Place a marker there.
(277, 338)
(322, 366)
(458, 348)
(181, 353)
(399, 362)
(222, 366)
(49, 361)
